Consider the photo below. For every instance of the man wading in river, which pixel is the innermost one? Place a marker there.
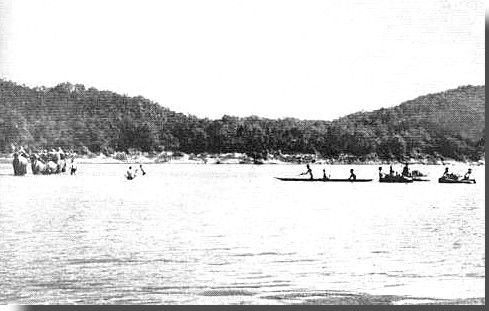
(130, 174)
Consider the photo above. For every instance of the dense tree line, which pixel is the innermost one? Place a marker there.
(448, 124)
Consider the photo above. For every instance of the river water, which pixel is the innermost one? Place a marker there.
(232, 234)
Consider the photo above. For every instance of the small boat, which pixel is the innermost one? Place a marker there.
(324, 179)
(418, 176)
(395, 179)
(445, 180)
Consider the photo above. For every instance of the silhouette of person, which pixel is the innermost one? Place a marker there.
(309, 171)
(352, 175)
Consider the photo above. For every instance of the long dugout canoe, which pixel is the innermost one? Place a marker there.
(443, 180)
(324, 180)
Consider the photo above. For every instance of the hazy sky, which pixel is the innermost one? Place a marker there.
(272, 58)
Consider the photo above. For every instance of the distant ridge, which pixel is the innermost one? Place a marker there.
(449, 124)
(457, 111)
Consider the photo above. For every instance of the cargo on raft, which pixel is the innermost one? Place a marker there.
(395, 179)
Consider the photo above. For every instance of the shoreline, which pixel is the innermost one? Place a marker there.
(242, 159)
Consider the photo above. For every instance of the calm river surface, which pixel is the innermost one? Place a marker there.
(232, 234)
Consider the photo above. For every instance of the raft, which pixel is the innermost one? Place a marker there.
(444, 180)
(420, 179)
(324, 179)
(395, 179)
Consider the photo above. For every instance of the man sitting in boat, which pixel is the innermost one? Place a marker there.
(445, 173)
(467, 175)
(352, 175)
(381, 175)
(417, 173)
(309, 171)
(448, 175)
(405, 171)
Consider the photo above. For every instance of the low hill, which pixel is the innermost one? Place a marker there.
(448, 124)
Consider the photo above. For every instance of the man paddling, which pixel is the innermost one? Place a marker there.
(446, 174)
(352, 175)
(309, 171)
(467, 175)
(381, 175)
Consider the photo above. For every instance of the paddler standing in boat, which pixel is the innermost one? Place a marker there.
(309, 171)
(446, 174)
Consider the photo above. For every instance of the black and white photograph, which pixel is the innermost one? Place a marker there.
(242, 152)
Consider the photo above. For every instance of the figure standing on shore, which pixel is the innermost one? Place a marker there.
(73, 167)
(309, 171)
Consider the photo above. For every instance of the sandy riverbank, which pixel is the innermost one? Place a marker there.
(240, 158)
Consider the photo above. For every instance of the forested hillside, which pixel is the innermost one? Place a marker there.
(448, 124)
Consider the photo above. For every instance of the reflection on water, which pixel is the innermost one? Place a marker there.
(232, 234)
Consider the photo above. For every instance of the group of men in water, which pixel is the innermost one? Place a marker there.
(45, 156)
(131, 174)
(57, 155)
